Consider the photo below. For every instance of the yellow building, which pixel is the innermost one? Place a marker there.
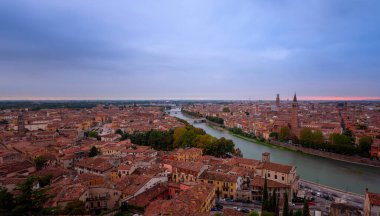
(190, 154)
(187, 171)
(225, 185)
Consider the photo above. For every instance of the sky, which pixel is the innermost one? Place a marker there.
(206, 49)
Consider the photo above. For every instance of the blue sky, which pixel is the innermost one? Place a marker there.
(189, 49)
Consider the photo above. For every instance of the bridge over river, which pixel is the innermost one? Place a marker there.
(342, 175)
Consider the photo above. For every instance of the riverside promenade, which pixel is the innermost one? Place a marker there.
(331, 155)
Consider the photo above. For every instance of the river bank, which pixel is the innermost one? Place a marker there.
(302, 150)
(345, 176)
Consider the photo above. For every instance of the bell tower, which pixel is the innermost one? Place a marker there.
(278, 100)
(294, 122)
(20, 125)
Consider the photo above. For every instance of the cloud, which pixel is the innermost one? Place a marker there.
(188, 49)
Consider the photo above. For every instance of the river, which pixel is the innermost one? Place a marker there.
(345, 176)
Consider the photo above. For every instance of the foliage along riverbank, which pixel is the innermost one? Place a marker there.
(183, 137)
(314, 152)
(349, 158)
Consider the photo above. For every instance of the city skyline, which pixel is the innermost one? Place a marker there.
(323, 50)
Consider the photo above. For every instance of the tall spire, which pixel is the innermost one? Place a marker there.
(278, 100)
(295, 102)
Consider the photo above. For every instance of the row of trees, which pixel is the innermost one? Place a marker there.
(182, 137)
(196, 114)
(215, 119)
(338, 143)
(270, 205)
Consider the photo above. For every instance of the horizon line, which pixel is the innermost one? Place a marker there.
(300, 98)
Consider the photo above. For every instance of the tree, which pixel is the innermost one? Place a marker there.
(265, 213)
(305, 210)
(265, 205)
(30, 201)
(215, 119)
(6, 201)
(45, 180)
(40, 162)
(119, 131)
(311, 139)
(340, 139)
(93, 134)
(253, 213)
(273, 135)
(365, 143)
(285, 133)
(273, 202)
(93, 151)
(178, 136)
(76, 207)
(285, 209)
(226, 109)
(201, 141)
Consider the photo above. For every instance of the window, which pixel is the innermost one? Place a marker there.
(275, 176)
(268, 175)
(283, 178)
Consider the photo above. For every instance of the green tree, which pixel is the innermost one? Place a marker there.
(265, 205)
(215, 119)
(45, 180)
(253, 213)
(365, 143)
(285, 133)
(40, 162)
(226, 109)
(310, 139)
(305, 210)
(119, 131)
(30, 201)
(340, 139)
(347, 133)
(76, 207)
(201, 141)
(93, 151)
(6, 201)
(93, 134)
(265, 213)
(273, 202)
(298, 213)
(178, 136)
(285, 209)
(273, 135)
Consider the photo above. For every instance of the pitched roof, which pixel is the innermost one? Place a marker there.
(374, 198)
(259, 182)
(219, 176)
(275, 167)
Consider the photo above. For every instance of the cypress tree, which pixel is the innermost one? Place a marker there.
(274, 207)
(305, 211)
(285, 210)
(265, 195)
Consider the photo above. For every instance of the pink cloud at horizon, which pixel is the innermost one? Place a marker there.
(338, 98)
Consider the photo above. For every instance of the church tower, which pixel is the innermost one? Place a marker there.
(278, 100)
(294, 123)
(21, 125)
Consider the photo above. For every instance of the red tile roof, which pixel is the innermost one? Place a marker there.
(374, 198)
